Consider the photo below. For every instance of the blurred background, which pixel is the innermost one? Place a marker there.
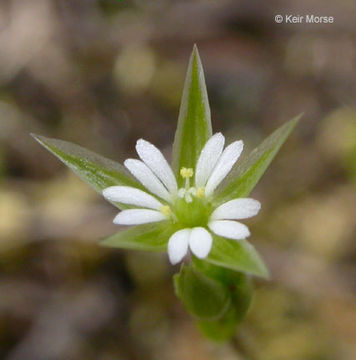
(103, 73)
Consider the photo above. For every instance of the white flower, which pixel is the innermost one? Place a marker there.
(189, 206)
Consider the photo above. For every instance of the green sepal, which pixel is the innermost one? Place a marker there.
(238, 256)
(149, 237)
(194, 123)
(202, 296)
(246, 173)
(94, 169)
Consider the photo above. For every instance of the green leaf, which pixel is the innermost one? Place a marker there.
(202, 296)
(241, 292)
(194, 124)
(245, 174)
(149, 237)
(237, 255)
(224, 275)
(222, 329)
(238, 283)
(96, 170)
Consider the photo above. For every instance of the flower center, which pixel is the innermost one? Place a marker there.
(188, 192)
(191, 208)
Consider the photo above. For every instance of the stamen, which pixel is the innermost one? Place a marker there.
(181, 193)
(186, 173)
(200, 192)
(166, 210)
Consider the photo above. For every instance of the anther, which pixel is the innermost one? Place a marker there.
(186, 173)
(200, 193)
(166, 210)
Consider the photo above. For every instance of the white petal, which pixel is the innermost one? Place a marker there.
(208, 158)
(138, 216)
(147, 178)
(178, 245)
(227, 160)
(236, 209)
(200, 242)
(154, 159)
(131, 196)
(229, 229)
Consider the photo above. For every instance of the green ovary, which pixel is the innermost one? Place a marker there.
(192, 214)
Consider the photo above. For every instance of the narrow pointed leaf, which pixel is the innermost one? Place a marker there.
(237, 255)
(96, 170)
(246, 173)
(149, 237)
(194, 124)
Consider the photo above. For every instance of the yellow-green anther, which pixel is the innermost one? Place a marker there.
(166, 210)
(200, 193)
(186, 173)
